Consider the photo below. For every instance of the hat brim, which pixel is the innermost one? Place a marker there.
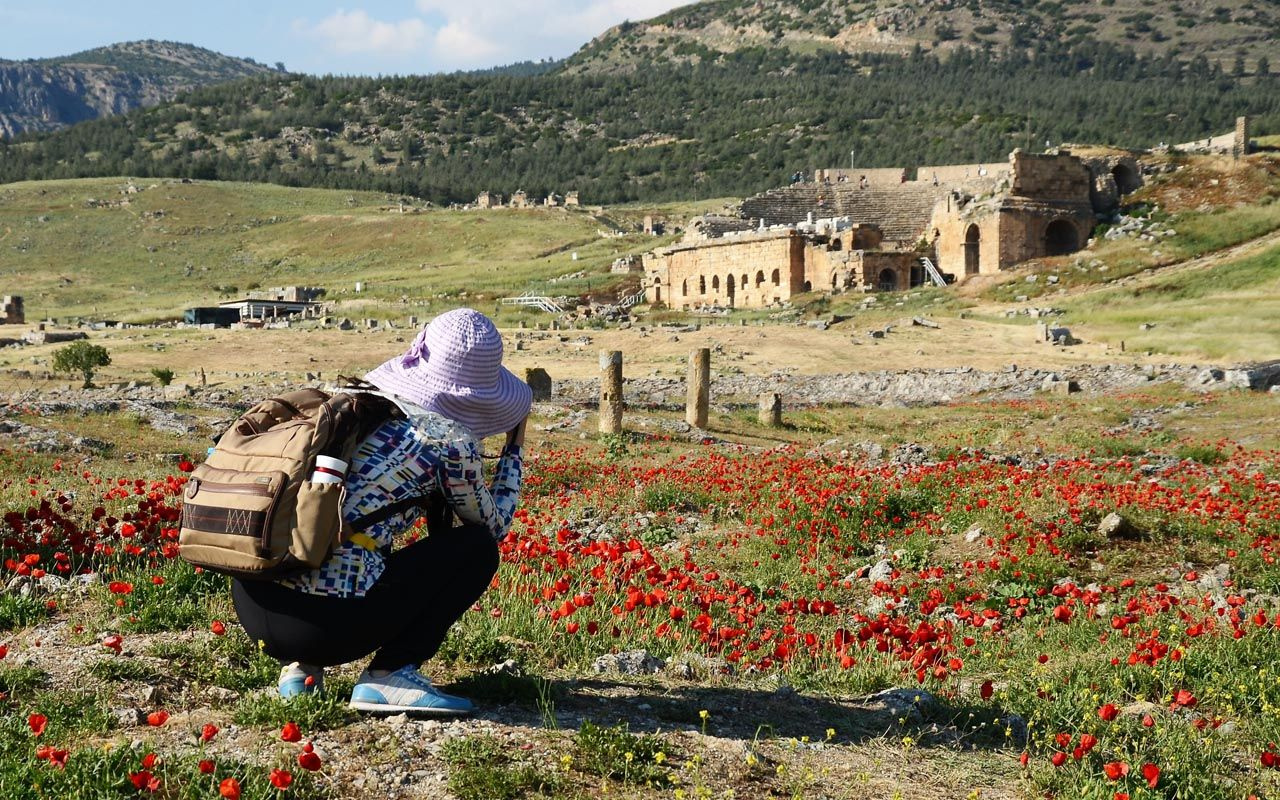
(484, 411)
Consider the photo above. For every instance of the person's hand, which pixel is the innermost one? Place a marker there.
(515, 436)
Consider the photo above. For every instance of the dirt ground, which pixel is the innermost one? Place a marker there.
(234, 357)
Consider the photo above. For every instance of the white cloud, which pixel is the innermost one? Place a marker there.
(448, 34)
(357, 32)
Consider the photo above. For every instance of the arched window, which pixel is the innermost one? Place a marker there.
(715, 284)
(760, 278)
(702, 284)
(777, 278)
(684, 288)
(888, 280)
(742, 284)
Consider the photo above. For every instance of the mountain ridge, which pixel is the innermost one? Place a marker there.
(42, 95)
(708, 30)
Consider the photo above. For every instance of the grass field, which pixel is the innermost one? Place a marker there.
(1036, 656)
(176, 245)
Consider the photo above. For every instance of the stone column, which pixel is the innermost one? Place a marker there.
(699, 387)
(1240, 143)
(771, 410)
(611, 391)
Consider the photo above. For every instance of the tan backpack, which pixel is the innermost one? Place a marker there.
(251, 511)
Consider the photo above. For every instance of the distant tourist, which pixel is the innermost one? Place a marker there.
(398, 606)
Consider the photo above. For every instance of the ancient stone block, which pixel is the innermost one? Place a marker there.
(540, 382)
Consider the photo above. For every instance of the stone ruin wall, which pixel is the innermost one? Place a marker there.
(11, 312)
(962, 173)
(880, 176)
(1053, 177)
(764, 271)
(950, 232)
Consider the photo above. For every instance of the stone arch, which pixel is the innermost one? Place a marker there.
(684, 288)
(808, 287)
(1061, 237)
(760, 278)
(715, 284)
(777, 278)
(743, 283)
(1127, 178)
(836, 244)
(972, 250)
(729, 289)
(657, 290)
(887, 280)
(702, 284)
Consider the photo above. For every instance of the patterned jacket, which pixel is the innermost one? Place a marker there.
(404, 458)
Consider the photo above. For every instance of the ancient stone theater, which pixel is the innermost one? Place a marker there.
(843, 230)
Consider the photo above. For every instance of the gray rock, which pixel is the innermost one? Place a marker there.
(631, 662)
(974, 533)
(881, 571)
(1114, 526)
(911, 705)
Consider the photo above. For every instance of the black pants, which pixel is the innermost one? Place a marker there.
(425, 588)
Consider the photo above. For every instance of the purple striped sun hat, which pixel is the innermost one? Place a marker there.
(454, 368)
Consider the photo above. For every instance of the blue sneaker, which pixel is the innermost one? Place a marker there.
(295, 679)
(405, 690)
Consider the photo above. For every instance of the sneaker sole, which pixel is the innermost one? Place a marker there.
(386, 708)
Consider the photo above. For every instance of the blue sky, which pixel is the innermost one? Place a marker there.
(369, 37)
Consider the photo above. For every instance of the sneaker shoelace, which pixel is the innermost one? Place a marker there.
(418, 679)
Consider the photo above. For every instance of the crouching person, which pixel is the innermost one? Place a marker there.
(398, 606)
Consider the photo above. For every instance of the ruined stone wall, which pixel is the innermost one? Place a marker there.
(1050, 177)
(883, 176)
(11, 312)
(953, 227)
(962, 173)
(873, 267)
(747, 272)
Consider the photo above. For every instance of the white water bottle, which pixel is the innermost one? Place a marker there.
(329, 470)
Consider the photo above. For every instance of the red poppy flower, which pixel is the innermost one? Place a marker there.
(157, 718)
(217, 627)
(1151, 773)
(291, 732)
(206, 766)
(229, 788)
(149, 760)
(144, 780)
(1109, 712)
(1088, 741)
(1058, 759)
(120, 587)
(1115, 770)
(281, 778)
(113, 642)
(987, 690)
(309, 761)
(36, 723)
(208, 732)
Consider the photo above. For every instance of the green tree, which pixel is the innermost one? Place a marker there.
(81, 357)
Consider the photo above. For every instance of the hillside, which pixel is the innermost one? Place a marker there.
(1219, 31)
(671, 132)
(49, 94)
(110, 249)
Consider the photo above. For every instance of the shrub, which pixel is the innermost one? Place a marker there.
(81, 357)
(162, 374)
